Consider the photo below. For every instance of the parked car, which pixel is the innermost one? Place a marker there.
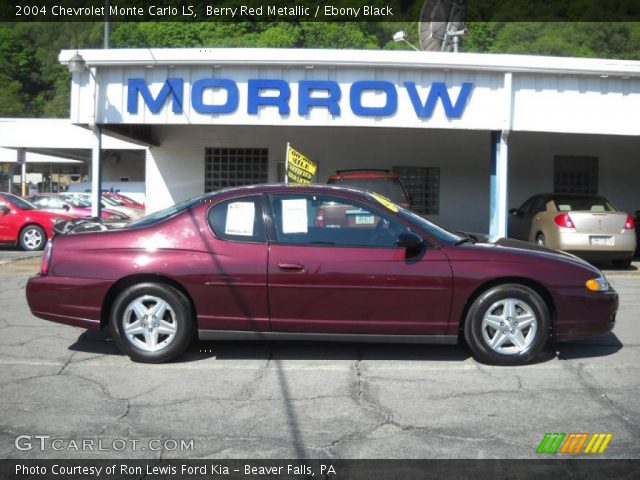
(110, 204)
(586, 225)
(127, 201)
(23, 224)
(250, 263)
(383, 182)
(71, 206)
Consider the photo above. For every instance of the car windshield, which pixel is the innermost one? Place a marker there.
(567, 203)
(113, 201)
(20, 203)
(169, 212)
(384, 186)
(76, 202)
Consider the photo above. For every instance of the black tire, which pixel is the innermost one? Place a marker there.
(177, 315)
(32, 238)
(524, 301)
(540, 240)
(622, 263)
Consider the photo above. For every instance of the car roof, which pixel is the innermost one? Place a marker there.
(364, 173)
(287, 188)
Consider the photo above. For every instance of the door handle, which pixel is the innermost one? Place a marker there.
(290, 266)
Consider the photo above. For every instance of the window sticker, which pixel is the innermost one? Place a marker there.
(385, 201)
(294, 216)
(240, 219)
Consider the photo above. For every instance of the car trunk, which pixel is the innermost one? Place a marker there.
(605, 223)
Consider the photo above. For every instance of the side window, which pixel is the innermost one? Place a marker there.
(238, 219)
(526, 206)
(39, 201)
(331, 220)
(539, 205)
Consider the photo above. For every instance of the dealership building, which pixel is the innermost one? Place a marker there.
(471, 134)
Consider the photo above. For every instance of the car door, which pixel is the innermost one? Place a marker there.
(10, 222)
(520, 220)
(334, 268)
(235, 285)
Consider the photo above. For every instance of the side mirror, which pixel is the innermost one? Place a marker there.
(409, 240)
(513, 211)
(4, 208)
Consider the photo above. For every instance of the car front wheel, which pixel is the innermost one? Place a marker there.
(32, 238)
(152, 322)
(507, 325)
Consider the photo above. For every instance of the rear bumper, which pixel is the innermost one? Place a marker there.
(622, 246)
(72, 301)
(582, 314)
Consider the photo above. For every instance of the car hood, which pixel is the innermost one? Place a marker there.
(527, 249)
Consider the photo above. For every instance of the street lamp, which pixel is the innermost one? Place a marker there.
(77, 64)
(401, 36)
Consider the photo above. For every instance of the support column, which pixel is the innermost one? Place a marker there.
(22, 161)
(96, 172)
(499, 182)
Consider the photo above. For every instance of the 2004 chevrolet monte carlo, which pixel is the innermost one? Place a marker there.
(314, 263)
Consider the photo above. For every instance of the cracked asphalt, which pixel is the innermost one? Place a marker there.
(315, 400)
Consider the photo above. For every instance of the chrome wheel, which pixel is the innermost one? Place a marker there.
(509, 326)
(540, 240)
(32, 238)
(149, 323)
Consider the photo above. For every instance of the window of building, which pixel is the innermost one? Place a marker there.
(423, 185)
(573, 174)
(234, 167)
(326, 220)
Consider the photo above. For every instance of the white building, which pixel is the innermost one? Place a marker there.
(473, 134)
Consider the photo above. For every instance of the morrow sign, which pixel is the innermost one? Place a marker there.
(325, 94)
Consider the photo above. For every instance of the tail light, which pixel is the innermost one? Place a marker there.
(629, 224)
(319, 221)
(564, 220)
(46, 258)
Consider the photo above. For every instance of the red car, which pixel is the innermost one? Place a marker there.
(384, 182)
(23, 224)
(127, 201)
(252, 263)
(70, 205)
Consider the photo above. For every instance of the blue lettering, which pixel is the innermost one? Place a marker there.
(306, 101)
(439, 90)
(198, 88)
(389, 108)
(255, 100)
(173, 86)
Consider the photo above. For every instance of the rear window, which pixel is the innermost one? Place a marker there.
(582, 203)
(390, 188)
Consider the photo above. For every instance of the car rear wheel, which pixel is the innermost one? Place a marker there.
(152, 322)
(33, 238)
(507, 325)
(540, 240)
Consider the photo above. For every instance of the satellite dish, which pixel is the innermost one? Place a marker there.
(441, 25)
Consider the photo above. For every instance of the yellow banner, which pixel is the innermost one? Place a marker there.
(300, 169)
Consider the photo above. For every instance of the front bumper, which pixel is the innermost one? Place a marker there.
(582, 314)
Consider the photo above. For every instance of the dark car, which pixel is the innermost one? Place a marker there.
(383, 182)
(252, 263)
(21, 223)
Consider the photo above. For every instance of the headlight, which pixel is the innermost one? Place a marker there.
(598, 284)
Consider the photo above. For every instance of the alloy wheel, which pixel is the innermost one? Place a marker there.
(149, 323)
(509, 326)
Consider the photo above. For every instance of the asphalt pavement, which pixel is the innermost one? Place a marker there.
(294, 400)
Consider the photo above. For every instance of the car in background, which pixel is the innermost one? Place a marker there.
(383, 182)
(251, 263)
(588, 226)
(128, 201)
(110, 204)
(23, 224)
(70, 205)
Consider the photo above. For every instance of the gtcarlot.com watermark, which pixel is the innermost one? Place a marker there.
(43, 443)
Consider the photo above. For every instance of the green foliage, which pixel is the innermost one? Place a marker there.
(35, 84)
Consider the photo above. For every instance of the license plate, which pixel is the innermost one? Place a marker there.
(601, 241)
(365, 219)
